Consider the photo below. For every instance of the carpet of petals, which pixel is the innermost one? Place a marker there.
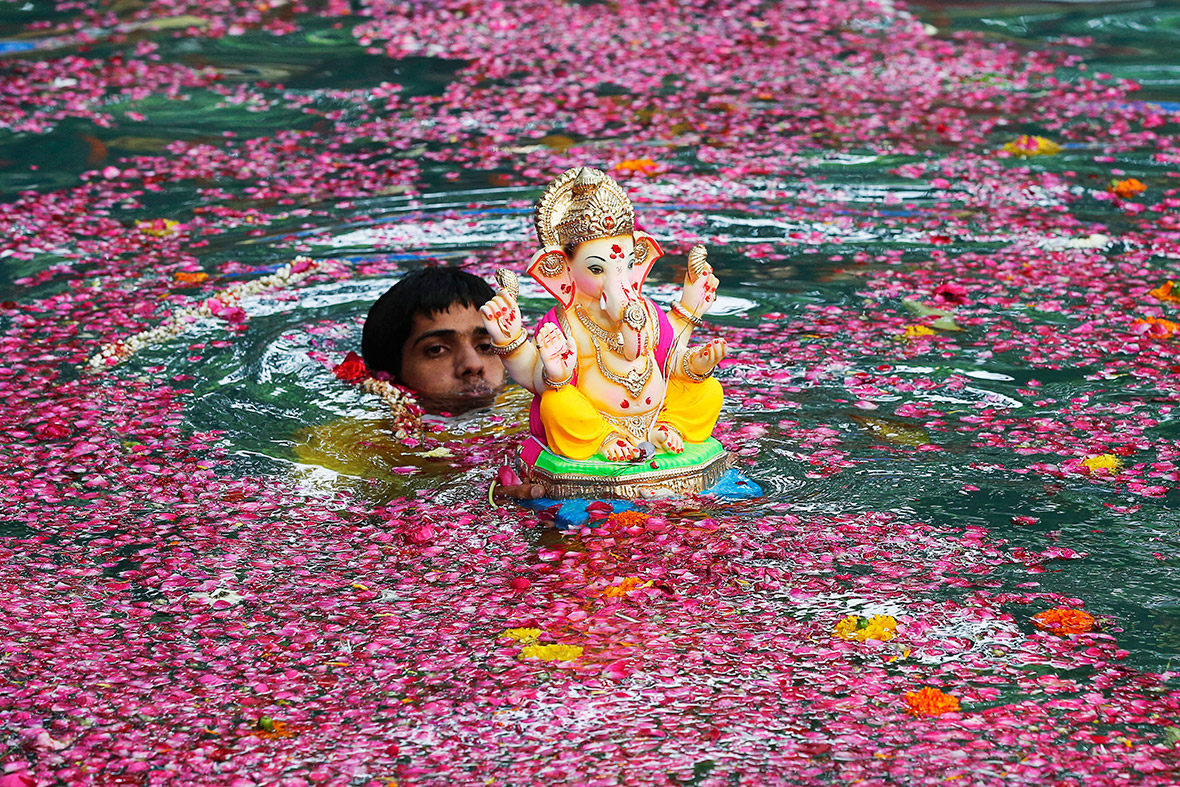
(172, 619)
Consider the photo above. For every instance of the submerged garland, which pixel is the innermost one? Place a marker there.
(407, 413)
(225, 304)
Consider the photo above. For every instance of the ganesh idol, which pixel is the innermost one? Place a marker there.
(614, 377)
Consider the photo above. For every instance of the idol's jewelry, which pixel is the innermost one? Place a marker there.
(559, 383)
(635, 315)
(552, 264)
(613, 342)
(633, 381)
(678, 309)
(635, 426)
(509, 282)
(690, 374)
(512, 346)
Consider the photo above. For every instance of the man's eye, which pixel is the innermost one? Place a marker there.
(484, 348)
(435, 350)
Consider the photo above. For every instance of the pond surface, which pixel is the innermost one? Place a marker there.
(953, 372)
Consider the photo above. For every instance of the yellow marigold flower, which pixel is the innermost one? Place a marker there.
(917, 331)
(551, 652)
(930, 702)
(522, 634)
(1027, 145)
(1103, 462)
(187, 277)
(846, 628)
(626, 518)
(1164, 293)
(623, 588)
(1126, 188)
(642, 165)
(157, 227)
(858, 629)
(882, 627)
(1064, 621)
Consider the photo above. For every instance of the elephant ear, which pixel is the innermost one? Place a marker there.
(551, 268)
(647, 251)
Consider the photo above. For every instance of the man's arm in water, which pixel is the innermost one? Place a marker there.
(508, 486)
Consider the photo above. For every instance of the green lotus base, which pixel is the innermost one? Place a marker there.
(664, 475)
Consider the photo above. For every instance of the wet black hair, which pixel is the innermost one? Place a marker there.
(426, 292)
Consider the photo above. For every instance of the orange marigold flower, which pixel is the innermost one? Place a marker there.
(1159, 328)
(623, 588)
(1126, 188)
(1164, 293)
(930, 702)
(272, 728)
(644, 166)
(1061, 620)
(626, 518)
(187, 277)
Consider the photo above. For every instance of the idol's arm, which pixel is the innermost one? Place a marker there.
(510, 340)
(696, 363)
(697, 297)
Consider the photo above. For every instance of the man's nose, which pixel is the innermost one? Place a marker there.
(468, 361)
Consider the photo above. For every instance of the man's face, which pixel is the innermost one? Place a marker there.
(448, 360)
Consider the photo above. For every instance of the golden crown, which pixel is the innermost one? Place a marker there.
(583, 204)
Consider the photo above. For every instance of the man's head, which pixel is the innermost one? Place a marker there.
(427, 333)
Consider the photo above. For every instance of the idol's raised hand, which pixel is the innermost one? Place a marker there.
(501, 315)
(700, 285)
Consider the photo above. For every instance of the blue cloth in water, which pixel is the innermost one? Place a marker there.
(573, 513)
(733, 486)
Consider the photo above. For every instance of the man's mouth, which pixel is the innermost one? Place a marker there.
(479, 390)
(459, 401)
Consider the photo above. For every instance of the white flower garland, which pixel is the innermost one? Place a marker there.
(182, 319)
(407, 414)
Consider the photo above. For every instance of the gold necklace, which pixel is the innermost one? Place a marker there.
(633, 382)
(613, 341)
